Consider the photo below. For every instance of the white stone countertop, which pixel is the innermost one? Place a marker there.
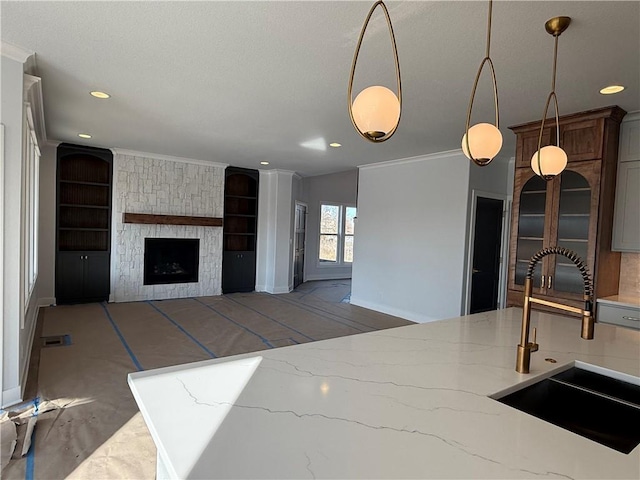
(408, 402)
(621, 301)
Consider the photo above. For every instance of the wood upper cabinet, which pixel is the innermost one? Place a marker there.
(574, 210)
(527, 144)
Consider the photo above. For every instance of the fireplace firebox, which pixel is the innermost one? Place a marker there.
(171, 260)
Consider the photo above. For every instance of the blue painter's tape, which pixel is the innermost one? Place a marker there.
(264, 340)
(31, 454)
(195, 340)
(270, 318)
(124, 342)
(311, 308)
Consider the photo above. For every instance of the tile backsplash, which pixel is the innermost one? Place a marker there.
(629, 275)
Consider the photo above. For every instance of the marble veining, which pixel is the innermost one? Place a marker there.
(410, 402)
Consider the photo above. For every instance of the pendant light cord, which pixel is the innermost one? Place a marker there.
(489, 29)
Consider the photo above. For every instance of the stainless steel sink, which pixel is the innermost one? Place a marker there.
(596, 403)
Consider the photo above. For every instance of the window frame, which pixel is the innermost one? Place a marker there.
(342, 218)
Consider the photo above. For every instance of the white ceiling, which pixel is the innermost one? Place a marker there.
(243, 82)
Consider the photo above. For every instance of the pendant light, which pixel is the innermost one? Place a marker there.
(375, 113)
(551, 160)
(483, 141)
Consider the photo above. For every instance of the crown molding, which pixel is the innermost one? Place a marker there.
(631, 116)
(419, 158)
(278, 171)
(14, 52)
(168, 158)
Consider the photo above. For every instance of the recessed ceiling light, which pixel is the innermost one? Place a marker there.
(611, 89)
(264, 163)
(335, 144)
(84, 135)
(98, 94)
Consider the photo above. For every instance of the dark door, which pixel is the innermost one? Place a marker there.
(486, 255)
(70, 277)
(96, 276)
(298, 260)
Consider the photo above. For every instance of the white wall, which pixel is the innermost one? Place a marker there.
(11, 118)
(409, 252)
(340, 188)
(47, 233)
(274, 254)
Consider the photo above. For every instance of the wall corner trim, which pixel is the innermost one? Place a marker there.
(169, 158)
(15, 52)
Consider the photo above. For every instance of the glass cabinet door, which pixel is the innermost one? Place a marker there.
(531, 228)
(574, 210)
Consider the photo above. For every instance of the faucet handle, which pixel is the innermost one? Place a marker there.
(533, 346)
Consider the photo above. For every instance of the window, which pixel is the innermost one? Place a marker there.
(337, 227)
(30, 178)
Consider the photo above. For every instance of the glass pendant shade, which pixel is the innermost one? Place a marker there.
(376, 111)
(485, 141)
(553, 161)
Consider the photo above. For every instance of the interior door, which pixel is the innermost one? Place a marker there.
(485, 277)
(298, 259)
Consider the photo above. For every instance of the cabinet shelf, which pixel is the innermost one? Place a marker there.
(77, 205)
(581, 189)
(77, 182)
(242, 215)
(241, 196)
(80, 229)
(577, 240)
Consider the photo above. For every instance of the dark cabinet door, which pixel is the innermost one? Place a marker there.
(70, 277)
(238, 272)
(96, 276)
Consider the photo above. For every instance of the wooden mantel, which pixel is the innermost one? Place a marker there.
(152, 219)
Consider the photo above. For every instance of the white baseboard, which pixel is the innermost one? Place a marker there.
(277, 290)
(11, 396)
(389, 310)
(47, 302)
(326, 276)
(261, 288)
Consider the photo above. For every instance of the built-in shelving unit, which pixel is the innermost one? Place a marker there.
(83, 223)
(240, 229)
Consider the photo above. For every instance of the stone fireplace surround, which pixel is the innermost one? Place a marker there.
(163, 185)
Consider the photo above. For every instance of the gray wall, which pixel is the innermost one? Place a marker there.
(338, 188)
(409, 252)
